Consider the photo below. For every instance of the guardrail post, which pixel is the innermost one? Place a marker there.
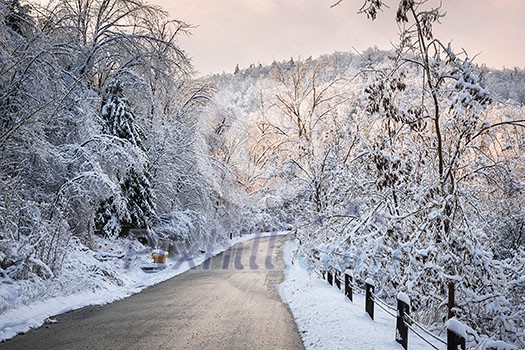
(403, 308)
(330, 278)
(369, 302)
(451, 301)
(348, 286)
(338, 279)
(456, 335)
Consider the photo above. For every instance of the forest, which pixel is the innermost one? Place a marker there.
(406, 166)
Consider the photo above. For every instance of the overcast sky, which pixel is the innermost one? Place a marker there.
(230, 32)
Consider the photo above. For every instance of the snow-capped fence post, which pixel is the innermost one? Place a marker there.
(456, 335)
(330, 277)
(348, 286)
(403, 308)
(369, 302)
(338, 279)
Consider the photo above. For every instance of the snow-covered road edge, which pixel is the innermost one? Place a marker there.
(25, 318)
(326, 319)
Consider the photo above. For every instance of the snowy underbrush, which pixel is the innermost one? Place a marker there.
(107, 271)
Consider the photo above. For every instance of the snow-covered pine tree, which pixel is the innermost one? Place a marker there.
(133, 207)
(118, 120)
(138, 199)
(107, 220)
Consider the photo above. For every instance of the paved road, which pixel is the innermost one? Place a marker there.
(230, 302)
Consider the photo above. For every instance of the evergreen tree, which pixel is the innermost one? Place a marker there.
(138, 200)
(117, 117)
(133, 206)
(107, 221)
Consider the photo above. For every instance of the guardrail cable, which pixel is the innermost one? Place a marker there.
(424, 329)
(384, 308)
(356, 287)
(420, 336)
(379, 301)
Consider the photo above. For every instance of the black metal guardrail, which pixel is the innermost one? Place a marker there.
(456, 337)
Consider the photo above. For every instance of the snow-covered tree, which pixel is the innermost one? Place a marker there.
(105, 36)
(118, 119)
(429, 163)
(132, 207)
(75, 159)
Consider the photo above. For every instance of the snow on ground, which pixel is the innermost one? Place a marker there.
(326, 319)
(90, 278)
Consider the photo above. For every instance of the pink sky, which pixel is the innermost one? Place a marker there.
(231, 32)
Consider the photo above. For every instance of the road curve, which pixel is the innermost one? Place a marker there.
(229, 302)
